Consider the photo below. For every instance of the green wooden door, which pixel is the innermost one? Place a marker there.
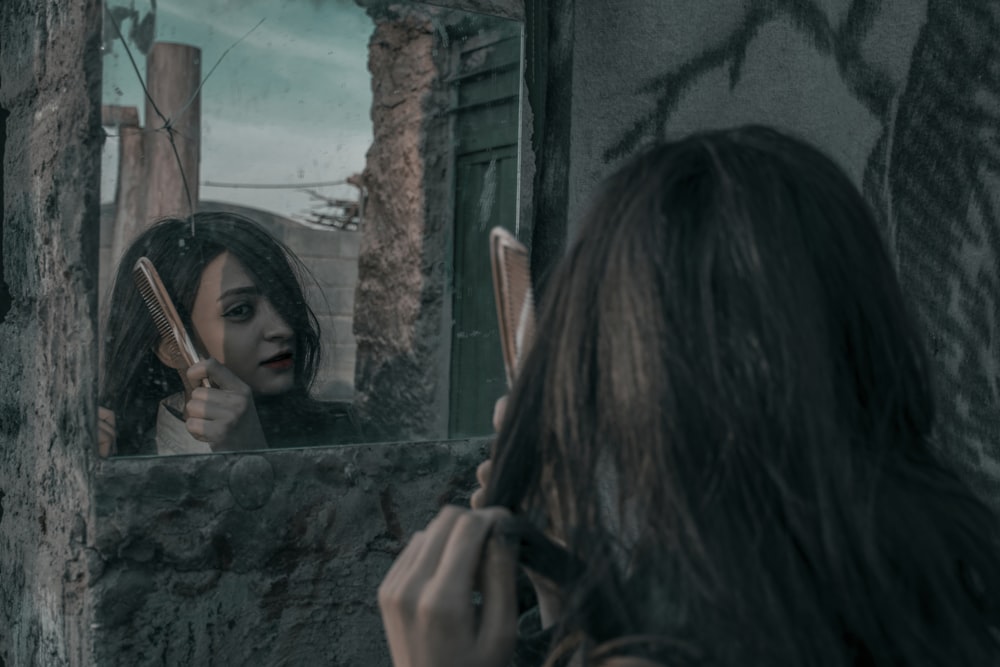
(486, 173)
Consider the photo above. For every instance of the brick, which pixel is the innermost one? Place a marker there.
(331, 301)
(337, 370)
(337, 330)
(336, 273)
(350, 245)
(306, 242)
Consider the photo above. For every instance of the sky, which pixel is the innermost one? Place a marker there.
(288, 103)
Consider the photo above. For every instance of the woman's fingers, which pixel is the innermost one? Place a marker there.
(462, 556)
(106, 432)
(499, 616)
(499, 410)
(436, 538)
(418, 561)
(477, 500)
(202, 429)
(483, 472)
(427, 597)
(485, 469)
(216, 404)
(217, 374)
(224, 414)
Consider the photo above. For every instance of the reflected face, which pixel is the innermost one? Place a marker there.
(235, 324)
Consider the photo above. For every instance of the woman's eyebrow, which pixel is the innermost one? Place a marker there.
(248, 290)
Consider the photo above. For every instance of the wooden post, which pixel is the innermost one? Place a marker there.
(173, 72)
(129, 191)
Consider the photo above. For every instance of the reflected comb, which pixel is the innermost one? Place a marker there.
(513, 293)
(168, 323)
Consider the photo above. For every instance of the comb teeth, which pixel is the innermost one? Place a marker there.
(512, 289)
(165, 316)
(159, 317)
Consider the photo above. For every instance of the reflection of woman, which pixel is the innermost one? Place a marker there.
(238, 292)
(725, 419)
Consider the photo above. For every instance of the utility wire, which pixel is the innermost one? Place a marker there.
(272, 186)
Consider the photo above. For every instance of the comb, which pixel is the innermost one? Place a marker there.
(168, 323)
(513, 294)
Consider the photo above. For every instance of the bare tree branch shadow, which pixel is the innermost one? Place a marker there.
(870, 85)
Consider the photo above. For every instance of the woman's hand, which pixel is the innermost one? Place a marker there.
(485, 469)
(427, 597)
(483, 472)
(224, 415)
(106, 432)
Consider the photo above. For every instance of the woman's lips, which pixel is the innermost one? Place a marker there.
(279, 362)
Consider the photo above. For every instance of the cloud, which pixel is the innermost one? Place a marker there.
(287, 32)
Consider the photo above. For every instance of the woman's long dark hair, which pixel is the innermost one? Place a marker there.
(134, 380)
(726, 415)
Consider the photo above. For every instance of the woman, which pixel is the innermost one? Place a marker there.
(725, 418)
(239, 294)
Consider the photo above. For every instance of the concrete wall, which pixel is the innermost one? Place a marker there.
(904, 93)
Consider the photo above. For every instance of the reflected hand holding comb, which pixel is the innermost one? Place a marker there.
(227, 420)
(176, 348)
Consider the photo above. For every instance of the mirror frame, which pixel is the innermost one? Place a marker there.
(179, 533)
(508, 10)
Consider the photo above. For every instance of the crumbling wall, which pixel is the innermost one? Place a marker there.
(402, 303)
(48, 361)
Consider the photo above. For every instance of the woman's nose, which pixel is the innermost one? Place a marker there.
(273, 325)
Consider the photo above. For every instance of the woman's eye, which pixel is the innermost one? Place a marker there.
(240, 311)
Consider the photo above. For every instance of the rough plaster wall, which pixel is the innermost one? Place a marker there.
(48, 387)
(904, 93)
(401, 297)
(261, 559)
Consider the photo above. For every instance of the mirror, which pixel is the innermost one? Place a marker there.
(379, 142)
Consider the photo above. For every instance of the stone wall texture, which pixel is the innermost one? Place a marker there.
(260, 559)
(48, 352)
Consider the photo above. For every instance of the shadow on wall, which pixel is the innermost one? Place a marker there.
(932, 175)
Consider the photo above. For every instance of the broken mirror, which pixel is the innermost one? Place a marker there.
(314, 183)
